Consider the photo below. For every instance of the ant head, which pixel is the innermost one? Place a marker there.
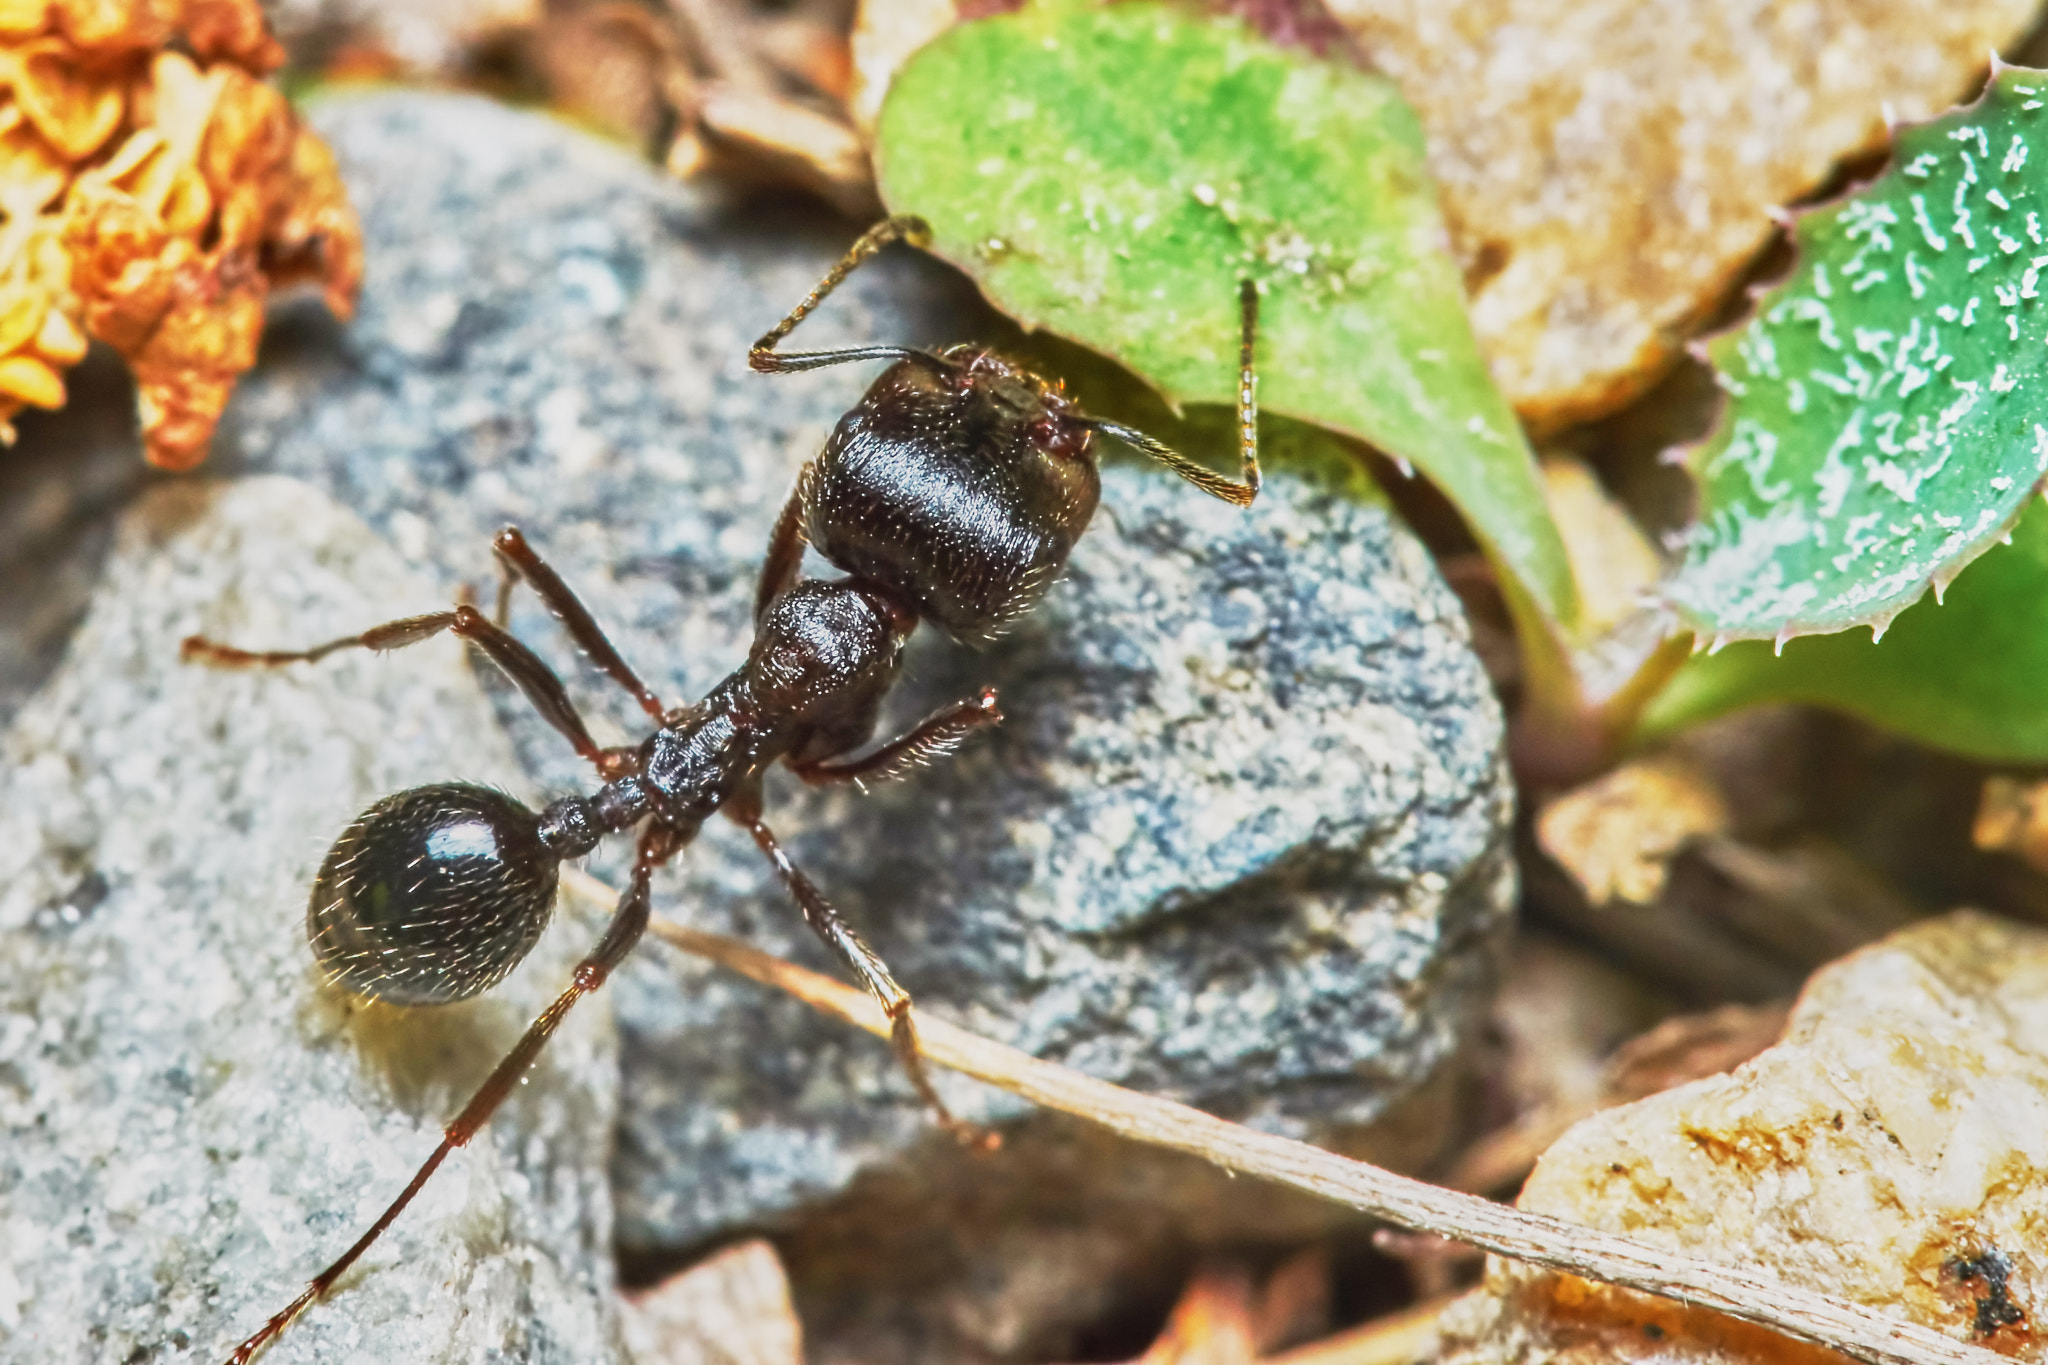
(961, 482)
(1051, 422)
(432, 895)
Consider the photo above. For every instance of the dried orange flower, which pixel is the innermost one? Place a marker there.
(152, 199)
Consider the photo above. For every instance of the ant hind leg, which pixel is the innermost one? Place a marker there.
(629, 920)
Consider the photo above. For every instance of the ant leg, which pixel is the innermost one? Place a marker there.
(745, 809)
(515, 556)
(764, 358)
(1210, 482)
(501, 614)
(532, 677)
(657, 845)
(935, 736)
(785, 546)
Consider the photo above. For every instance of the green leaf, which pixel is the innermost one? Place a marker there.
(1885, 414)
(1969, 674)
(1111, 173)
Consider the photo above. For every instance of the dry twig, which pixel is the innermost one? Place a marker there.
(1537, 1239)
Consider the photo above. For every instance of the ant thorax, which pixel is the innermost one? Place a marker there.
(959, 482)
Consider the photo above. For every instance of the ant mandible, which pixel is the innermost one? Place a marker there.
(952, 492)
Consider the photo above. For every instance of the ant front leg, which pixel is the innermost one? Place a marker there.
(1238, 493)
(744, 809)
(935, 736)
(533, 677)
(785, 546)
(764, 357)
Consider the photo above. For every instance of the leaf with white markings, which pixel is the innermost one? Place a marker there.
(1966, 675)
(1887, 416)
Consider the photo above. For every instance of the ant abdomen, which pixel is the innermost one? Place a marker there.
(432, 896)
(960, 482)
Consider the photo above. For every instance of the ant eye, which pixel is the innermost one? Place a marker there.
(432, 895)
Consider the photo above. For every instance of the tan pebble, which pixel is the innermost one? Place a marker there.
(1891, 1150)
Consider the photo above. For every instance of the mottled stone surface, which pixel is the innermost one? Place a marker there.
(1240, 839)
(190, 1125)
(1210, 853)
(1892, 1150)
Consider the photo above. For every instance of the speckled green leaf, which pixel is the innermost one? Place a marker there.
(1886, 413)
(1111, 173)
(1968, 674)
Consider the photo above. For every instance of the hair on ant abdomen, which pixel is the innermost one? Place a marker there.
(952, 492)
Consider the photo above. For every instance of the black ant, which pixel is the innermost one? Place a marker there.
(953, 491)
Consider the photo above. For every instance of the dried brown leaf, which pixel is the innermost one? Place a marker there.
(2012, 817)
(1606, 165)
(1616, 836)
(153, 199)
(791, 141)
(75, 107)
(606, 65)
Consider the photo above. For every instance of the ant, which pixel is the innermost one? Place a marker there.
(952, 492)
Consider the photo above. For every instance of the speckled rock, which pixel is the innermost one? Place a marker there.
(1241, 838)
(1892, 1150)
(1209, 854)
(190, 1124)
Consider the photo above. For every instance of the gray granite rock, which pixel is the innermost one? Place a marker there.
(1241, 839)
(190, 1124)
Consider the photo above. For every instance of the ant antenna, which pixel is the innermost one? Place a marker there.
(1208, 480)
(766, 360)
(915, 231)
